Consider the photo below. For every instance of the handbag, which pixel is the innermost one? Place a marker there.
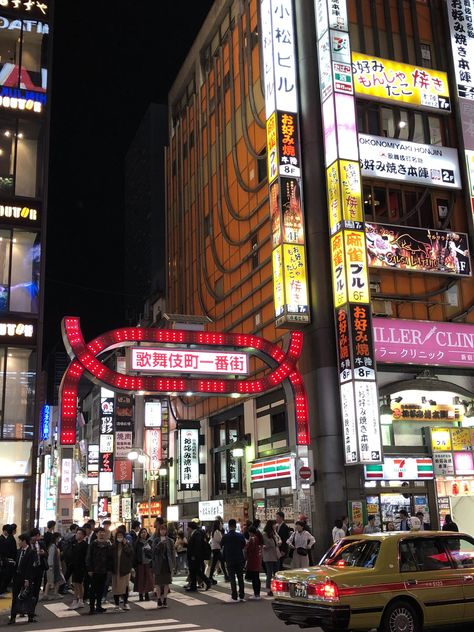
(302, 551)
(24, 593)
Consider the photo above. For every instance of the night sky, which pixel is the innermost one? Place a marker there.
(110, 60)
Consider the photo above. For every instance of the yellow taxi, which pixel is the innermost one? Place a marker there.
(395, 582)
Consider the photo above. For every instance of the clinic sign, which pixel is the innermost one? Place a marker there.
(188, 442)
(394, 82)
(399, 341)
(413, 163)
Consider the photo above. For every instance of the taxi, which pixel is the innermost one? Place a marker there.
(395, 582)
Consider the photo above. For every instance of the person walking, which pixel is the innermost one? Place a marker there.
(144, 582)
(253, 550)
(371, 527)
(181, 546)
(77, 558)
(122, 564)
(300, 542)
(233, 545)
(163, 559)
(217, 534)
(98, 564)
(40, 562)
(271, 553)
(195, 553)
(449, 525)
(7, 557)
(54, 574)
(338, 531)
(284, 532)
(23, 578)
(132, 535)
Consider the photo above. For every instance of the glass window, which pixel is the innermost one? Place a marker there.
(23, 47)
(19, 146)
(461, 550)
(418, 132)
(361, 554)
(388, 124)
(19, 392)
(436, 136)
(19, 271)
(423, 554)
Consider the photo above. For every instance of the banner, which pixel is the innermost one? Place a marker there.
(418, 249)
(188, 441)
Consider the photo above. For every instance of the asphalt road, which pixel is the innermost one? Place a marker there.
(211, 611)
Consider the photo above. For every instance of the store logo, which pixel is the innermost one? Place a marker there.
(14, 330)
(19, 212)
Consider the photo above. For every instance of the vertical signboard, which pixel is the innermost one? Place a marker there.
(123, 436)
(290, 283)
(351, 294)
(106, 440)
(461, 26)
(188, 442)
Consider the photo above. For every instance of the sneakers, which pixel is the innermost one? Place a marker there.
(255, 597)
(126, 606)
(74, 604)
(115, 609)
(160, 603)
(80, 604)
(101, 610)
(241, 598)
(165, 603)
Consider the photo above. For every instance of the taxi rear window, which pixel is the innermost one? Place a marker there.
(362, 554)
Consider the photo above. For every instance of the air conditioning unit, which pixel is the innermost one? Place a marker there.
(381, 308)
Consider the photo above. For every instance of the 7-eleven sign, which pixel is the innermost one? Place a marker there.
(399, 468)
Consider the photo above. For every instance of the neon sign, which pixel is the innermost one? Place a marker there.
(153, 360)
(84, 361)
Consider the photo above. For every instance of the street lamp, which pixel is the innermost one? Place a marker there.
(238, 447)
(138, 454)
(163, 471)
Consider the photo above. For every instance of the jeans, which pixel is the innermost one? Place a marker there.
(236, 569)
(217, 557)
(96, 589)
(270, 568)
(256, 583)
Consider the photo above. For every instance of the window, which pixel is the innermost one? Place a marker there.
(262, 165)
(19, 147)
(17, 378)
(278, 423)
(423, 554)
(254, 252)
(461, 550)
(23, 48)
(361, 554)
(227, 468)
(407, 206)
(19, 271)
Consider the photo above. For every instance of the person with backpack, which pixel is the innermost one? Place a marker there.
(196, 555)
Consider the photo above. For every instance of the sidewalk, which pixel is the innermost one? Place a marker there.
(5, 604)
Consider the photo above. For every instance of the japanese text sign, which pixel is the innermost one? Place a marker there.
(66, 476)
(461, 25)
(189, 458)
(210, 509)
(153, 447)
(393, 81)
(401, 468)
(163, 360)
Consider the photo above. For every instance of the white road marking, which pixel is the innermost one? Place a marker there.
(186, 600)
(217, 594)
(102, 626)
(147, 605)
(61, 610)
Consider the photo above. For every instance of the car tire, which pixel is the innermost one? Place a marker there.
(400, 616)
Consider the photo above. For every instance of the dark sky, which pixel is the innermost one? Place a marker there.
(110, 60)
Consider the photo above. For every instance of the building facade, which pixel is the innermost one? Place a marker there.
(25, 60)
(377, 150)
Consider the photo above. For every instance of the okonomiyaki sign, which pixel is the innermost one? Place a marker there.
(423, 342)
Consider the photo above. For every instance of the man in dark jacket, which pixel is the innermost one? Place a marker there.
(233, 545)
(283, 531)
(40, 562)
(195, 552)
(23, 577)
(98, 564)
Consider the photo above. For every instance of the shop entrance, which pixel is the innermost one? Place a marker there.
(386, 507)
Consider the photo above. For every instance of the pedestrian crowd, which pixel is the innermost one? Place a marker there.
(90, 562)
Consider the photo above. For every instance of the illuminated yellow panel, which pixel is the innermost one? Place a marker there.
(391, 81)
(334, 196)
(351, 187)
(440, 439)
(278, 282)
(296, 284)
(356, 266)
(272, 147)
(339, 285)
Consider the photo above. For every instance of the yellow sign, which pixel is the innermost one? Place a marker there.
(278, 282)
(356, 265)
(461, 439)
(339, 285)
(334, 196)
(391, 81)
(296, 286)
(440, 439)
(272, 149)
(351, 186)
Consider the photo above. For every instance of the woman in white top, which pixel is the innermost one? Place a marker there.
(300, 542)
(338, 531)
(216, 537)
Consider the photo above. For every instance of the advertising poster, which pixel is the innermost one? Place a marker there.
(418, 249)
(272, 155)
(293, 226)
(189, 458)
(288, 144)
(338, 270)
(296, 288)
(362, 343)
(357, 273)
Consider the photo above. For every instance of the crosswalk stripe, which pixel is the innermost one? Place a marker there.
(186, 600)
(112, 624)
(61, 610)
(147, 605)
(170, 626)
(217, 594)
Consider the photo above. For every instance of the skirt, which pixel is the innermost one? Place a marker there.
(163, 576)
(144, 580)
(120, 584)
(299, 561)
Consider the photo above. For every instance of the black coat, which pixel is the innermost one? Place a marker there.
(195, 550)
(11, 547)
(284, 532)
(99, 557)
(78, 555)
(25, 569)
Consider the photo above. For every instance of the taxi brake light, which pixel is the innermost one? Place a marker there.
(328, 591)
(279, 586)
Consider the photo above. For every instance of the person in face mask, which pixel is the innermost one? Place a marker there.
(122, 564)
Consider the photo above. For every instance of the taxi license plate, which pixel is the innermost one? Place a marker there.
(298, 589)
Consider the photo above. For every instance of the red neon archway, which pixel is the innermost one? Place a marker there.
(84, 361)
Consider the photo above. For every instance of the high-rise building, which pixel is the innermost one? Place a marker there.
(319, 177)
(25, 60)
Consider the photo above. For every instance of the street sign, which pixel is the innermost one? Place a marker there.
(305, 473)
